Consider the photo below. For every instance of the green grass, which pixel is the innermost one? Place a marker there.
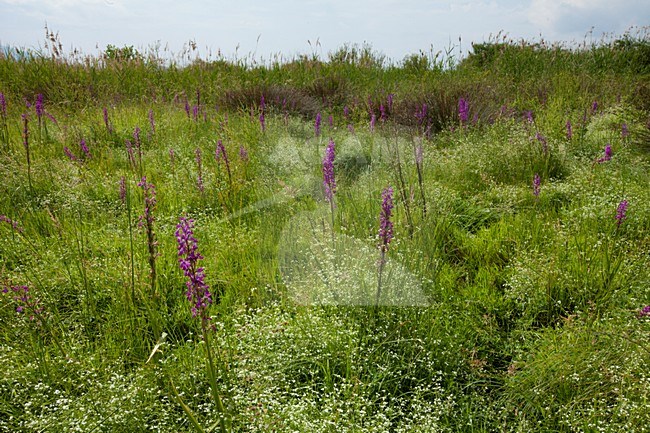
(527, 313)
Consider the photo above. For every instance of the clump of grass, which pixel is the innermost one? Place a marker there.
(584, 375)
(3, 119)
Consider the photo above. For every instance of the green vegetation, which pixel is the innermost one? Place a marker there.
(513, 296)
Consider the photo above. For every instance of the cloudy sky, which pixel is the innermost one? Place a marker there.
(267, 27)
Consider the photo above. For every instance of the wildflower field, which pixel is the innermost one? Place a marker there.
(347, 244)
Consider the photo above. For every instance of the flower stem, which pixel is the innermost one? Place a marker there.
(382, 262)
(213, 381)
(186, 409)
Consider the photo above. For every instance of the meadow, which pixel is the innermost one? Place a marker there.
(340, 244)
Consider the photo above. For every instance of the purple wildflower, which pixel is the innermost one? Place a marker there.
(24, 301)
(14, 224)
(537, 181)
(389, 101)
(624, 131)
(129, 151)
(608, 151)
(187, 108)
(607, 156)
(463, 110)
(385, 224)
(329, 182)
(382, 112)
(195, 113)
(594, 107)
(107, 123)
(569, 130)
(330, 121)
(198, 292)
(137, 144)
(219, 154)
(152, 123)
(243, 153)
(621, 212)
(346, 112)
(220, 151)
(84, 148)
(351, 128)
(529, 116)
(147, 220)
(21, 296)
(262, 103)
(373, 120)
(149, 192)
(38, 105)
(199, 181)
(3, 105)
(69, 153)
(136, 137)
(645, 311)
(317, 124)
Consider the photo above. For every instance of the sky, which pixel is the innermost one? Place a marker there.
(265, 29)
